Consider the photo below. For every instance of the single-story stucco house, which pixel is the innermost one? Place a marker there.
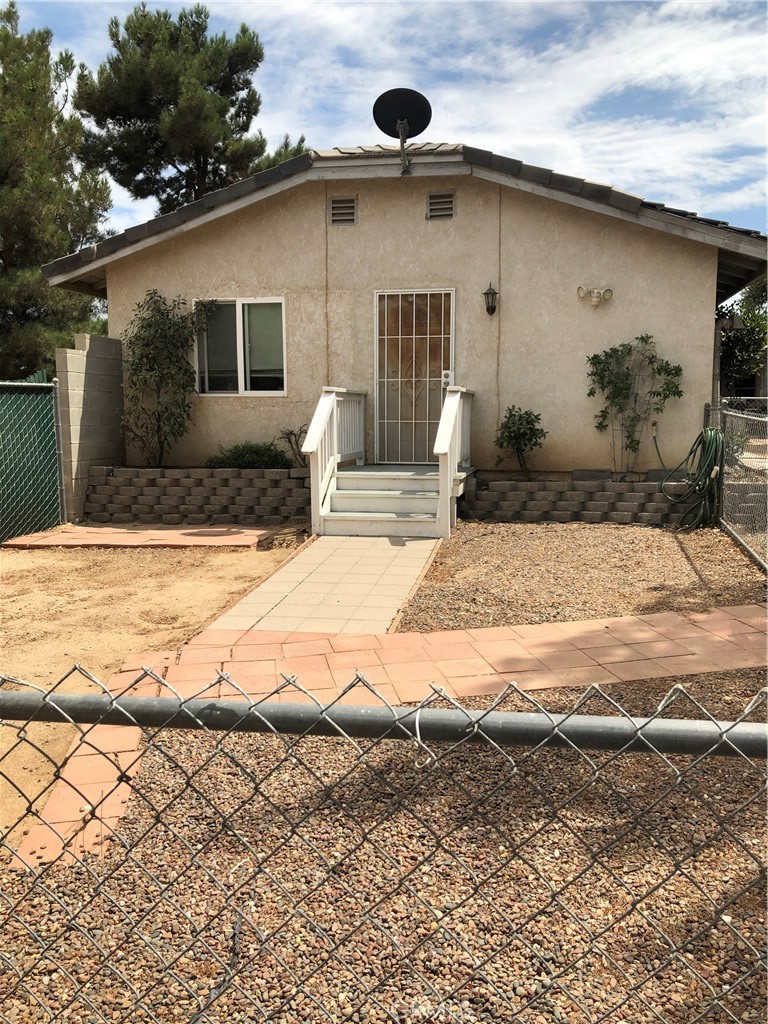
(335, 270)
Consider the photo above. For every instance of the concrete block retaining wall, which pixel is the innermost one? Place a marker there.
(91, 396)
(244, 497)
(249, 497)
(572, 501)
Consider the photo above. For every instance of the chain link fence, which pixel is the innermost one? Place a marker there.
(744, 500)
(31, 490)
(228, 860)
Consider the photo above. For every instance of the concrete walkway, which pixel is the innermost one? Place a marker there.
(335, 585)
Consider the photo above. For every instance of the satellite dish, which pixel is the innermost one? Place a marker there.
(401, 114)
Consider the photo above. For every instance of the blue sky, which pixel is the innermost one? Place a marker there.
(665, 100)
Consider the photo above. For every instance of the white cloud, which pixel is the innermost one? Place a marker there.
(126, 212)
(662, 99)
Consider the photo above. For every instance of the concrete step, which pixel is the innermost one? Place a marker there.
(405, 501)
(380, 524)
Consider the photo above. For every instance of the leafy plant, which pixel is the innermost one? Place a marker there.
(635, 383)
(293, 440)
(743, 334)
(159, 376)
(519, 433)
(250, 455)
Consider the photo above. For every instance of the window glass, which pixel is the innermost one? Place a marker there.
(219, 370)
(241, 349)
(263, 346)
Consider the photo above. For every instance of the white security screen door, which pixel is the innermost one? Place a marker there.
(414, 346)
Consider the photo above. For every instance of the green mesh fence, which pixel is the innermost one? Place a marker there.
(29, 482)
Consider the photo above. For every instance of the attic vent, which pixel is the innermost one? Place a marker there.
(343, 210)
(440, 206)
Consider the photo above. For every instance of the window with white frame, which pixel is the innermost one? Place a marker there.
(242, 348)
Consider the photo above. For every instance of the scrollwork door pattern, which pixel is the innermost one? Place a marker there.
(414, 333)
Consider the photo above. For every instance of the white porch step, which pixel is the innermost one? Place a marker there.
(386, 500)
(398, 501)
(389, 478)
(379, 524)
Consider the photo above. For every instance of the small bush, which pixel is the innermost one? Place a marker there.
(250, 455)
(293, 440)
(519, 433)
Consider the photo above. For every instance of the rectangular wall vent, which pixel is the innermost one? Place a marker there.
(440, 206)
(343, 210)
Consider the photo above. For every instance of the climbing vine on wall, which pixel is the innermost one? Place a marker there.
(634, 383)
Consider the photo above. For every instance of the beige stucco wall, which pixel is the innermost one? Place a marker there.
(532, 353)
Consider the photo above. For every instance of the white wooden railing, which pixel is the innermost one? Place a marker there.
(452, 449)
(336, 434)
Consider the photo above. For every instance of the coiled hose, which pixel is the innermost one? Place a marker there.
(702, 468)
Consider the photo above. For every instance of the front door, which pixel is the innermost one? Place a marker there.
(414, 348)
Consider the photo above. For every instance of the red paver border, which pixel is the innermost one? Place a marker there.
(138, 536)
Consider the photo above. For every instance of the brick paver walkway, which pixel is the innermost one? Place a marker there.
(90, 796)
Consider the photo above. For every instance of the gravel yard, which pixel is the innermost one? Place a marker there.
(313, 882)
(505, 574)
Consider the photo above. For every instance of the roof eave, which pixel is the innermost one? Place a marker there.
(741, 252)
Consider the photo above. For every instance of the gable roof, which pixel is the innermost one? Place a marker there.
(741, 251)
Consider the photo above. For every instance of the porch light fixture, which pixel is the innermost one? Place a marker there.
(490, 295)
(596, 295)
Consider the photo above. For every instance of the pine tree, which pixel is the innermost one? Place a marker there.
(168, 112)
(49, 206)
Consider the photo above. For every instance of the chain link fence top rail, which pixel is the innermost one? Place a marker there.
(451, 863)
(29, 471)
(745, 476)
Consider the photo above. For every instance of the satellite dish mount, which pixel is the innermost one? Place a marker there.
(401, 114)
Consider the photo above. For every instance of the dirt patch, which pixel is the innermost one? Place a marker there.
(61, 606)
(506, 574)
(65, 605)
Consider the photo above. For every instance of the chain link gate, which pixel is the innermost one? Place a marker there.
(31, 484)
(231, 860)
(745, 475)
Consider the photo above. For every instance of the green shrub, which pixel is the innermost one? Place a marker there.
(634, 383)
(250, 455)
(159, 376)
(519, 433)
(293, 440)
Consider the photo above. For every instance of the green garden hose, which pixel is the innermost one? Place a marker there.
(702, 469)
